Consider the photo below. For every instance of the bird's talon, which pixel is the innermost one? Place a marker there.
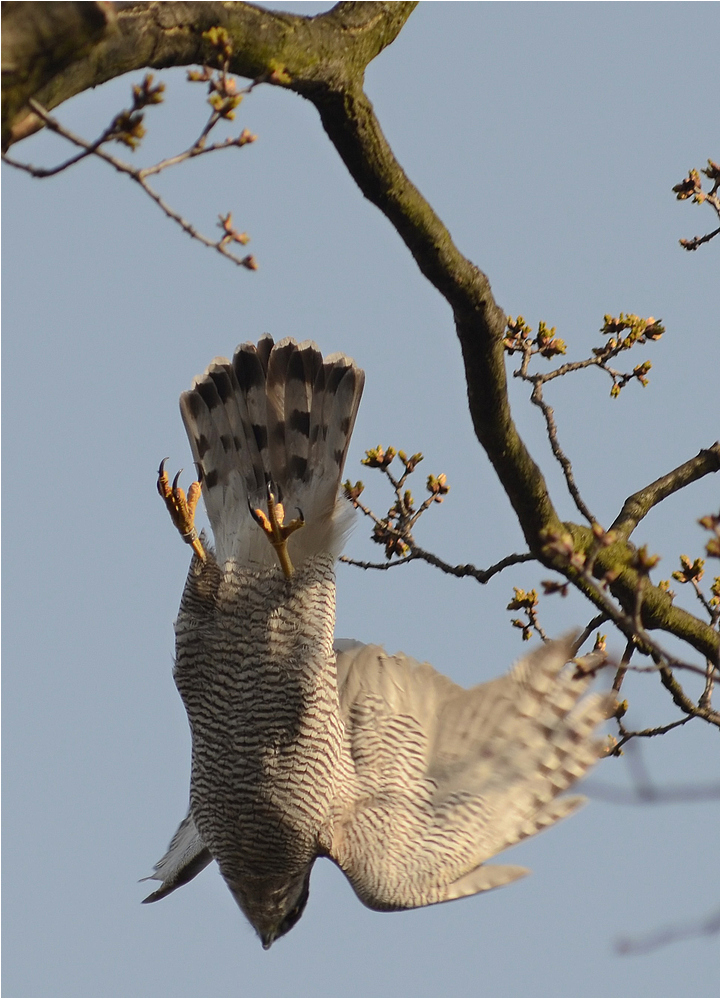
(275, 530)
(181, 508)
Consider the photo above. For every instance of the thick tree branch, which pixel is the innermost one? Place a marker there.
(351, 124)
(636, 593)
(93, 43)
(39, 42)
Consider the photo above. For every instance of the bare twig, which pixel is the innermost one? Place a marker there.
(708, 926)
(650, 796)
(42, 172)
(693, 244)
(377, 565)
(647, 733)
(416, 553)
(691, 187)
(705, 698)
(482, 575)
(243, 139)
(538, 400)
(140, 175)
(592, 625)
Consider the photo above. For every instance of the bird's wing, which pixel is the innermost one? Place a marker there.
(446, 778)
(187, 856)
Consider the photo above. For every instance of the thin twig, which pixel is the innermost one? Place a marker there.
(377, 565)
(650, 795)
(711, 611)
(138, 175)
(708, 926)
(649, 732)
(538, 400)
(42, 172)
(243, 139)
(482, 575)
(705, 698)
(594, 623)
(621, 673)
(681, 700)
(693, 244)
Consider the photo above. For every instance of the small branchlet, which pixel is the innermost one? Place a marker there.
(624, 332)
(128, 128)
(692, 572)
(224, 94)
(518, 339)
(711, 523)
(394, 530)
(692, 187)
(637, 330)
(528, 603)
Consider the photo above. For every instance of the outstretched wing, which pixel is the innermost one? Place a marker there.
(457, 775)
(279, 415)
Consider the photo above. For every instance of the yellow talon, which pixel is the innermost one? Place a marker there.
(180, 508)
(276, 531)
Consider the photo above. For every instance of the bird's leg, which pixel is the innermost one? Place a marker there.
(180, 508)
(276, 531)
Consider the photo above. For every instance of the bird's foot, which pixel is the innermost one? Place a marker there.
(276, 531)
(181, 508)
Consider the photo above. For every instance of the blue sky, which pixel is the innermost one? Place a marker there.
(548, 137)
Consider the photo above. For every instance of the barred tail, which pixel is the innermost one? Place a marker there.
(278, 414)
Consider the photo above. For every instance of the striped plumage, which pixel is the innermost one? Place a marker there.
(304, 749)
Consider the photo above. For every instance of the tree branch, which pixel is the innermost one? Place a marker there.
(638, 505)
(460, 571)
(58, 50)
(558, 452)
(140, 177)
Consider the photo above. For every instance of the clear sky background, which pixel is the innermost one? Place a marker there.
(547, 137)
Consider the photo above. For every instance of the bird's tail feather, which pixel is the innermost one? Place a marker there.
(278, 416)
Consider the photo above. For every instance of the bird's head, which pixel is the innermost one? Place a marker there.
(273, 905)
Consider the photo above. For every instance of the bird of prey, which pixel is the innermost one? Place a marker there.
(302, 748)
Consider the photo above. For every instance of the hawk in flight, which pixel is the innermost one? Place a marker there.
(302, 748)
